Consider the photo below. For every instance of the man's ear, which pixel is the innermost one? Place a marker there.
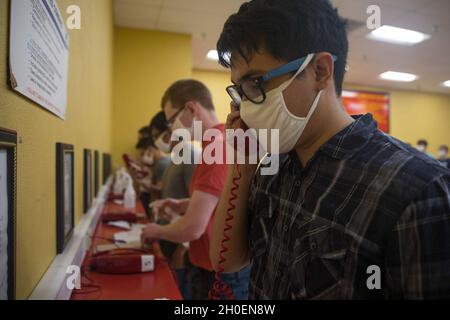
(324, 69)
(192, 107)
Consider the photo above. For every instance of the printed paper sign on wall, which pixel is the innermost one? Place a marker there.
(39, 53)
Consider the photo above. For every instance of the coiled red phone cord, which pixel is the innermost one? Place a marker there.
(220, 289)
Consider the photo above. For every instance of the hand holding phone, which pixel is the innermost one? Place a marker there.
(135, 167)
(234, 120)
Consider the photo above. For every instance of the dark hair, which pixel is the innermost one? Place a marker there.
(143, 130)
(184, 91)
(158, 122)
(144, 143)
(288, 30)
(444, 147)
(422, 142)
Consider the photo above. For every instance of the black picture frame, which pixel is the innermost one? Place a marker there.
(8, 147)
(96, 172)
(106, 166)
(65, 195)
(88, 187)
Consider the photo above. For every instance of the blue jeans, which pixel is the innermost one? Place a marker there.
(201, 282)
(239, 282)
(182, 279)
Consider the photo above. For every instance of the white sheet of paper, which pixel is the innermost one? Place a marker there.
(3, 226)
(127, 236)
(120, 224)
(39, 53)
(134, 235)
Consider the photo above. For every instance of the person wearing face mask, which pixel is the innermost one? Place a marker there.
(175, 187)
(443, 156)
(141, 147)
(161, 160)
(184, 102)
(422, 146)
(177, 178)
(156, 162)
(346, 197)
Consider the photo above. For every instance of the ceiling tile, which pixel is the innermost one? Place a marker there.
(204, 6)
(204, 20)
(137, 13)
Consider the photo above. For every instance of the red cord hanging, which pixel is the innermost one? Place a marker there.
(221, 290)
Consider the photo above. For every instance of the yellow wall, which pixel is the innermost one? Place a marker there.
(216, 82)
(146, 63)
(88, 125)
(414, 115)
(140, 65)
(418, 115)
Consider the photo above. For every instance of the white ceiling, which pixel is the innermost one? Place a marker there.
(430, 60)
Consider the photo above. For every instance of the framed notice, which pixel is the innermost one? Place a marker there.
(362, 102)
(88, 185)
(39, 53)
(106, 167)
(8, 145)
(65, 204)
(96, 172)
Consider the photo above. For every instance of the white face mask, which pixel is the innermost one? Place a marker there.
(420, 148)
(274, 114)
(179, 125)
(442, 154)
(148, 159)
(161, 145)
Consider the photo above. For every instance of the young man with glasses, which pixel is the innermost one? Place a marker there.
(184, 102)
(352, 213)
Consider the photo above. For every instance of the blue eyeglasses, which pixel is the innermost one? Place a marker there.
(253, 89)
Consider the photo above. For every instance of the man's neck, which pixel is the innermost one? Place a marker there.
(209, 120)
(159, 155)
(333, 120)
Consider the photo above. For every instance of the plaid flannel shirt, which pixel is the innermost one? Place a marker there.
(365, 199)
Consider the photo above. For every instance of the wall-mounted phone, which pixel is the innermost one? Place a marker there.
(123, 263)
(122, 258)
(126, 216)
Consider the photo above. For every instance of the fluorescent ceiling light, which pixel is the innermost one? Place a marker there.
(397, 35)
(213, 55)
(446, 83)
(398, 76)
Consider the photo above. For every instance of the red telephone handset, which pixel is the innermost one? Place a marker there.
(123, 263)
(123, 216)
(239, 124)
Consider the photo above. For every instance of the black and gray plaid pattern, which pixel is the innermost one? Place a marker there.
(364, 199)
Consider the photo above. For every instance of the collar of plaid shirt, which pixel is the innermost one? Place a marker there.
(352, 139)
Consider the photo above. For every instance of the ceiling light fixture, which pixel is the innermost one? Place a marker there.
(398, 35)
(213, 55)
(398, 76)
(446, 83)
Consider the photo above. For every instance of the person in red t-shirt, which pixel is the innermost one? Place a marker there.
(184, 102)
